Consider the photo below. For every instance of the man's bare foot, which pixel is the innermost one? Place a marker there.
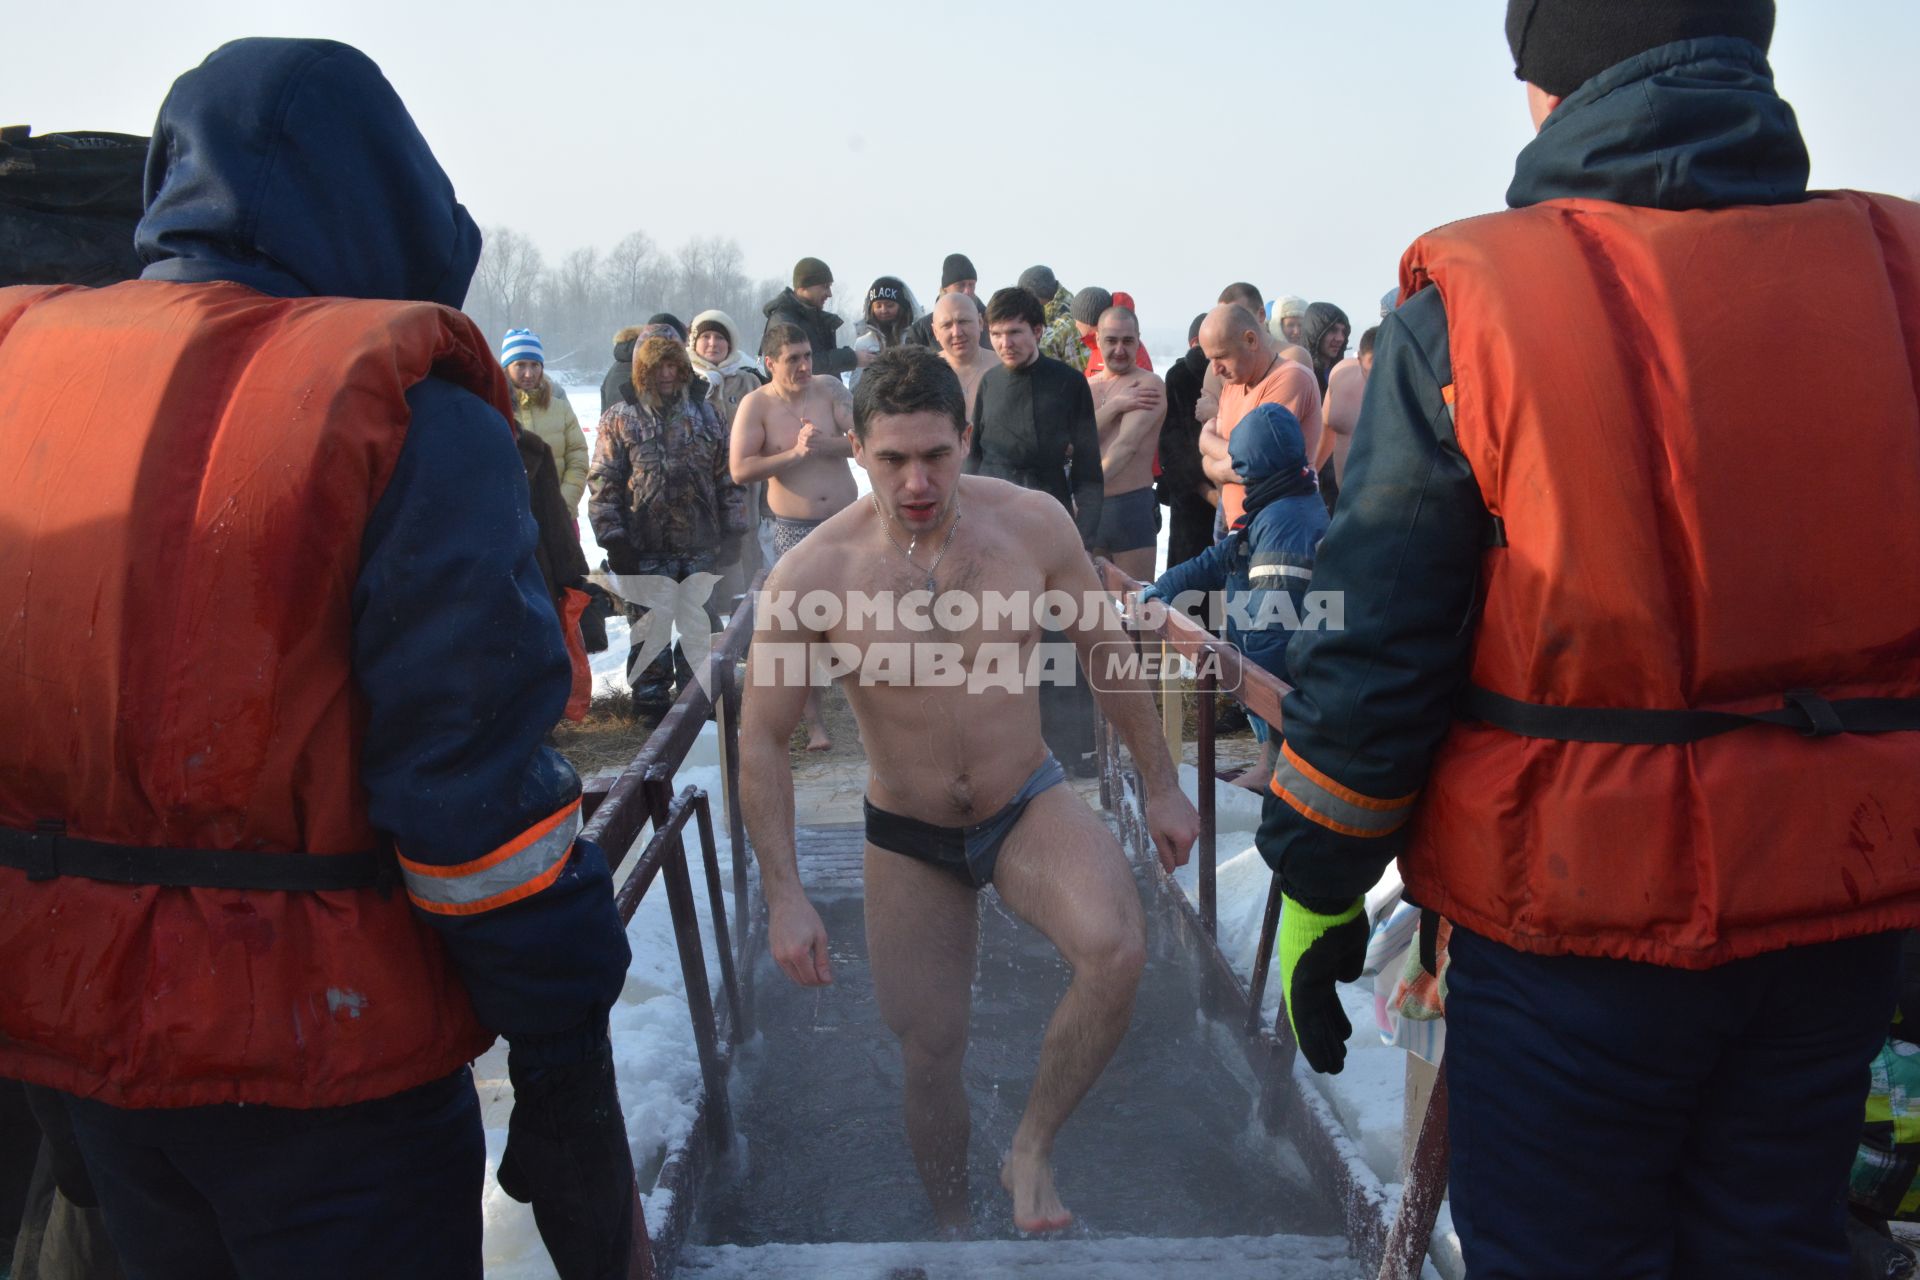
(1036, 1206)
(817, 739)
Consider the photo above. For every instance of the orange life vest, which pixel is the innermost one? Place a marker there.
(190, 469)
(1710, 497)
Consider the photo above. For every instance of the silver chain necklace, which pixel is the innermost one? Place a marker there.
(886, 527)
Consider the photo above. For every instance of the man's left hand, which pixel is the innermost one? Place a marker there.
(567, 1156)
(1316, 951)
(1173, 825)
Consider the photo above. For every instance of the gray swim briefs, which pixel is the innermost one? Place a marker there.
(966, 853)
(1128, 521)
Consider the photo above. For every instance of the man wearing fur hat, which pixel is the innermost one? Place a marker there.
(663, 506)
(1655, 761)
(618, 382)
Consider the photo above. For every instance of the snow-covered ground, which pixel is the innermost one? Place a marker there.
(654, 1056)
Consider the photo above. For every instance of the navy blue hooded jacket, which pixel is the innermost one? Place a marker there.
(292, 167)
(1690, 125)
(1271, 550)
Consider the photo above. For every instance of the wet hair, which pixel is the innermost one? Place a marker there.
(1125, 313)
(1246, 295)
(783, 333)
(908, 380)
(1367, 340)
(1014, 304)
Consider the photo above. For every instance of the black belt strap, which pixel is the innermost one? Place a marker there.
(1801, 710)
(48, 851)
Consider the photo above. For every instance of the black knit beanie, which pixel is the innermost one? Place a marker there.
(956, 268)
(671, 321)
(811, 271)
(1561, 44)
(1041, 283)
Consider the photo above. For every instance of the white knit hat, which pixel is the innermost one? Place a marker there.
(521, 344)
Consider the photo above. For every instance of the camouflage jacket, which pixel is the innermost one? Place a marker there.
(1061, 337)
(660, 480)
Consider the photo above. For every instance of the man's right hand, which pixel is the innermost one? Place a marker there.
(799, 942)
(621, 557)
(862, 357)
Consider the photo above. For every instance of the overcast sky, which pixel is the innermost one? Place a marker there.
(1162, 148)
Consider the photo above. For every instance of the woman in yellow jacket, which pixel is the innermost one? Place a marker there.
(540, 408)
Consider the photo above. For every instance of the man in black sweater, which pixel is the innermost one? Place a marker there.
(1033, 420)
(1033, 425)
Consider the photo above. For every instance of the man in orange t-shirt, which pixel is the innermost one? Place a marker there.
(1240, 351)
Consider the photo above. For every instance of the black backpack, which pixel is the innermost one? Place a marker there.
(68, 205)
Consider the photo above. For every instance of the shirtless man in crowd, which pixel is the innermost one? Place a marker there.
(1129, 404)
(962, 791)
(956, 327)
(793, 434)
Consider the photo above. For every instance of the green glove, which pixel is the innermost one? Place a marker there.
(1316, 951)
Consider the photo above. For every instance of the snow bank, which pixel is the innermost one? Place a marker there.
(655, 1060)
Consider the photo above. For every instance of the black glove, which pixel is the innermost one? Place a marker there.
(567, 1156)
(593, 619)
(621, 557)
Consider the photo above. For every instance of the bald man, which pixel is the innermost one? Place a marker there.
(957, 328)
(1253, 373)
(1129, 404)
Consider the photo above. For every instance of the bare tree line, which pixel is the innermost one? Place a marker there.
(579, 303)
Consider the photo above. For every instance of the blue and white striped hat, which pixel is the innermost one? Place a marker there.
(521, 344)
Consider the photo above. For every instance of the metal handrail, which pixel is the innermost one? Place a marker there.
(643, 794)
(1400, 1249)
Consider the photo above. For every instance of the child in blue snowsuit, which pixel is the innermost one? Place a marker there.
(1270, 547)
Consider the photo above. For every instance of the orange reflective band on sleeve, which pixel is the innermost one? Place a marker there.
(1315, 796)
(518, 869)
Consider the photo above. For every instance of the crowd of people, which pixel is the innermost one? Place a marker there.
(1626, 681)
(1094, 426)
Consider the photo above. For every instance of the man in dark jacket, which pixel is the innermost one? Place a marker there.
(617, 385)
(1182, 487)
(804, 304)
(668, 514)
(956, 276)
(1669, 964)
(444, 643)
